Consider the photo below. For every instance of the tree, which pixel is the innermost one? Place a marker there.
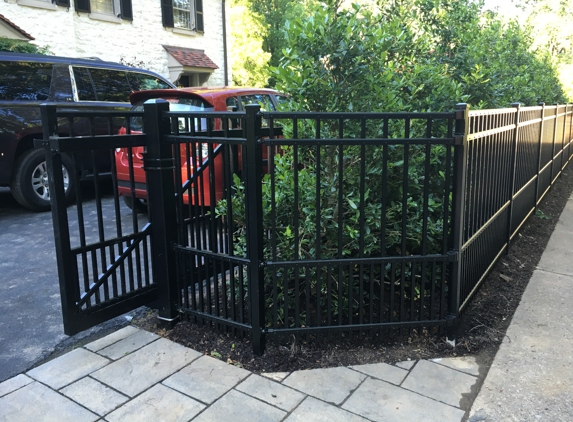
(551, 21)
(19, 46)
(250, 63)
(413, 55)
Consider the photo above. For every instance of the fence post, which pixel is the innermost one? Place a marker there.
(458, 203)
(158, 166)
(563, 137)
(542, 104)
(69, 289)
(513, 171)
(553, 147)
(570, 137)
(254, 211)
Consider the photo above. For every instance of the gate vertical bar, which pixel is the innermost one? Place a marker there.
(458, 203)
(513, 172)
(69, 289)
(254, 210)
(158, 166)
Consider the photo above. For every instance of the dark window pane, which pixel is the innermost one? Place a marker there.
(142, 82)
(61, 89)
(232, 102)
(283, 103)
(84, 84)
(25, 81)
(261, 99)
(110, 85)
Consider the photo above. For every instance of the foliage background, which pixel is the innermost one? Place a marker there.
(18, 46)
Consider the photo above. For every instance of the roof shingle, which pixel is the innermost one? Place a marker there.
(191, 57)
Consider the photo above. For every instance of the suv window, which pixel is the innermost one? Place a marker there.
(84, 84)
(25, 81)
(61, 89)
(110, 85)
(143, 82)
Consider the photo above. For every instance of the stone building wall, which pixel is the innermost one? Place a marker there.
(138, 42)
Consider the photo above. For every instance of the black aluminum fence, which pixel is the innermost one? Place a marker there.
(273, 224)
(512, 157)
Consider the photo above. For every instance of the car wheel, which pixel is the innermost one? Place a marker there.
(29, 184)
(139, 205)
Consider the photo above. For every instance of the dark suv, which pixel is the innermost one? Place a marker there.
(28, 80)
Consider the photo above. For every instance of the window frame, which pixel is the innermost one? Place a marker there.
(168, 15)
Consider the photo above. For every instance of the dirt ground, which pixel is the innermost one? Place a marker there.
(481, 331)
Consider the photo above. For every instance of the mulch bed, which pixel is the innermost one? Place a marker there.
(481, 331)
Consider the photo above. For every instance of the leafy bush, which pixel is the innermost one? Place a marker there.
(408, 55)
(18, 46)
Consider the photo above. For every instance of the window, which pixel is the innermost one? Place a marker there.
(102, 85)
(25, 81)
(84, 84)
(183, 14)
(142, 82)
(102, 6)
(111, 85)
(116, 8)
(261, 99)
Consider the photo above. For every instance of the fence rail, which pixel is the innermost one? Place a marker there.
(272, 224)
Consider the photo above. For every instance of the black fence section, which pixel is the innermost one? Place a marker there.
(279, 224)
(308, 222)
(103, 249)
(512, 157)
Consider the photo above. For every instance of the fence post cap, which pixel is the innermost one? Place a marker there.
(462, 106)
(541, 103)
(516, 104)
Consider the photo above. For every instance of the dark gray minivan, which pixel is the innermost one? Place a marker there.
(28, 80)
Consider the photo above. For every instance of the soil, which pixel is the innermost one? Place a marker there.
(481, 331)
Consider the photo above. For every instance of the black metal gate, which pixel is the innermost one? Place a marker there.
(103, 249)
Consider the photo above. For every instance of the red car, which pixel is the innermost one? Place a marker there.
(187, 99)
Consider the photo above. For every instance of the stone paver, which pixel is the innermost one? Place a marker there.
(238, 407)
(128, 345)
(380, 401)
(206, 379)
(271, 392)
(277, 376)
(382, 371)
(68, 368)
(112, 338)
(159, 403)
(465, 364)
(439, 382)
(94, 395)
(315, 410)
(407, 364)
(140, 370)
(36, 402)
(332, 385)
(14, 383)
